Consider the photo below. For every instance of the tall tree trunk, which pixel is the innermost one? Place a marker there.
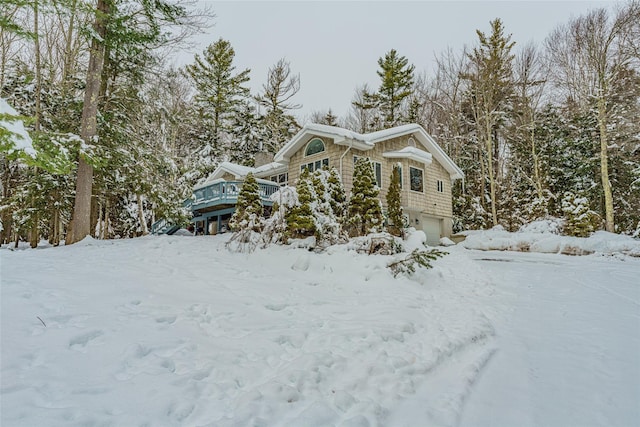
(490, 161)
(143, 222)
(100, 226)
(536, 161)
(34, 233)
(604, 166)
(81, 218)
(105, 228)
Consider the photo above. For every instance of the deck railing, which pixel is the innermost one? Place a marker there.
(227, 192)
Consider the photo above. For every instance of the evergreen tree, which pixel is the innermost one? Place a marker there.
(337, 195)
(490, 88)
(248, 133)
(300, 221)
(248, 212)
(394, 204)
(220, 90)
(396, 85)
(330, 119)
(365, 209)
(581, 221)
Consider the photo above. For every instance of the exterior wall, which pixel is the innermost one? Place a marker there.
(332, 151)
(228, 177)
(429, 202)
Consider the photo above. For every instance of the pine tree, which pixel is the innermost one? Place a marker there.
(300, 221)
(396, 85)
(330, 119)
(490, 88)
(248, 212)
(394, 205)
(247, 134)
(220, 90)
(337, 195)
(249, 206)
(581, 221)
(365, 209)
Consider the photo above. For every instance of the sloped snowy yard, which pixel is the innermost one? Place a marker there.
(178, 331)
(163, 331)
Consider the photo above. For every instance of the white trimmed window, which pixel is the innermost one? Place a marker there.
(440, 186)
(281, 179)
(314, 166)
(314, 146)
(416, 178)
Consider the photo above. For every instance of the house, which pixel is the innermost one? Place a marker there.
(427, 174)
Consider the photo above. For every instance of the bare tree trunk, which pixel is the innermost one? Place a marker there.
(34, 233)
(100, 226)
(536, 162)
(56, 228)
(143, 222)
(105, 229)
(604, 166)
(490, 161)
(81, 218)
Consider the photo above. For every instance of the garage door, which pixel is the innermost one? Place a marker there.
(431, 227)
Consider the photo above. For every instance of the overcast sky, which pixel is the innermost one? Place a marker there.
(335, 46)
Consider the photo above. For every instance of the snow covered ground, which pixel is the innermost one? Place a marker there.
(543, 236)
(176, 330)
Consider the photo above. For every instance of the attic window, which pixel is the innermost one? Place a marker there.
(315, 146)
(411, 142)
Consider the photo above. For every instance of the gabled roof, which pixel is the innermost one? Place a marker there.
(367, 141)
(412, 153)
(240, 171)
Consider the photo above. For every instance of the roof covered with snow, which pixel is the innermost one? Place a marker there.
(240, 171)
(412, 153)
(367, 141)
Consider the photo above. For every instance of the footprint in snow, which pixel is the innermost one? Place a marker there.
(81, 341)
(170, 320)
(276, 307)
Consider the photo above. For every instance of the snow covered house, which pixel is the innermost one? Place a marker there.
(427, 173)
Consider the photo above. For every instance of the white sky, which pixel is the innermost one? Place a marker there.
(335, 46)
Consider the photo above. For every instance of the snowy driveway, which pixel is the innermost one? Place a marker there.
(568, 339)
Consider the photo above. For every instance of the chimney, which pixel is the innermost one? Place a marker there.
(262, 158)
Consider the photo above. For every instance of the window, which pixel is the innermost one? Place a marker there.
(399, 166)
(314, 166)
(281, 179)
(377, 170)
(315, 146)
(416, 179)
(440, 186)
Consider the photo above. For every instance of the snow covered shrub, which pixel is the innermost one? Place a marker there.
(248, 214)
(313, 214)
(275, 227)
(247, 221)
(377, 244)
(365, 209)
(581, 220)
(549, 225)
(299, 218)
(417, 258)
(328, 225)
(394, 205)
(337, 195)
